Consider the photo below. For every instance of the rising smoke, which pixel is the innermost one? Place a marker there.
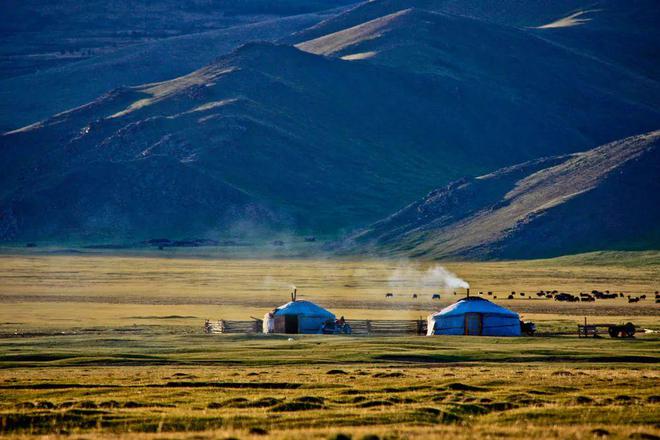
(413, 276)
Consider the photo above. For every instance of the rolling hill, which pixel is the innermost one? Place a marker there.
(604, 198)
(56, 89)
(363, 114)
(623, 33)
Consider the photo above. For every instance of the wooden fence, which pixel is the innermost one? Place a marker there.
(223, 326)
(358, 327)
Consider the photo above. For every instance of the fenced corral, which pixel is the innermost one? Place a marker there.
(386, 327)
(224, 326)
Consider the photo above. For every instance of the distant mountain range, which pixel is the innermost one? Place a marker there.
(604, 198)
(349, 115)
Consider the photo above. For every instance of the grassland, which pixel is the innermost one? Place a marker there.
(111, 346)
(65, 291)
(200, 386)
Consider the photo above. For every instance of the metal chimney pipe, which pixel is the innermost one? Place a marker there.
(468, 292)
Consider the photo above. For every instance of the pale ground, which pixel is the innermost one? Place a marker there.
(570, 21)
(74, 291)
(103, 346)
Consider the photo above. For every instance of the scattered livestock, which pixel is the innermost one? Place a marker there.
(305, 317)
(604, 295)
(566, 297)
(585, 297)
(592, 296)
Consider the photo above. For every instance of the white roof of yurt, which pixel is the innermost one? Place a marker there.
(474, 304)
(302, 307)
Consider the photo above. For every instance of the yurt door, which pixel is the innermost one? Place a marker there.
(291, 324)
(473, 324)
(280, 324)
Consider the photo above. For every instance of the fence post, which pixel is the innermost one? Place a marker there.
(368, 327)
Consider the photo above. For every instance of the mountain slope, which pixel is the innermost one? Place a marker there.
(40, 34)
(29, 98)
(310, 143)
(256, 120)
(619, 32)
(503, 60)
(605, 198)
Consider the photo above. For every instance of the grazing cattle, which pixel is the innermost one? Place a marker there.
(566, 297)
(604, 295)
(389, 295)
(510, 297)
(436, 296)
(490, 293)
(495, 297)
(642, 297)
(554, 292)
(621, 294)
(522, 293)
(540, 293)
(481, 293)
(414, 295)
(633, 299)
(549, 296)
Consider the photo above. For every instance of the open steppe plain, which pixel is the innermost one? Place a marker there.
(96, 346)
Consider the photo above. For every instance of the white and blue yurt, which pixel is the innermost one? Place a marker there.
(297, 316)
(474, 316)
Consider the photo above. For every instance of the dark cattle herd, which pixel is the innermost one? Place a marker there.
(559, 296)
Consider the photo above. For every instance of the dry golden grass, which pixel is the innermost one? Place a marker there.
(66, 291)
(132, 361)
(367, 395)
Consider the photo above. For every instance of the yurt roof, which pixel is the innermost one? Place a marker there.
(474, 305)
(302, 307)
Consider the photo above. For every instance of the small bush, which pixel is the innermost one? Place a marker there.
(310, 399)
(296, 406)
(372, 403)
(584, 400)
(386, 375)
(457, 386)
(340, 436)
